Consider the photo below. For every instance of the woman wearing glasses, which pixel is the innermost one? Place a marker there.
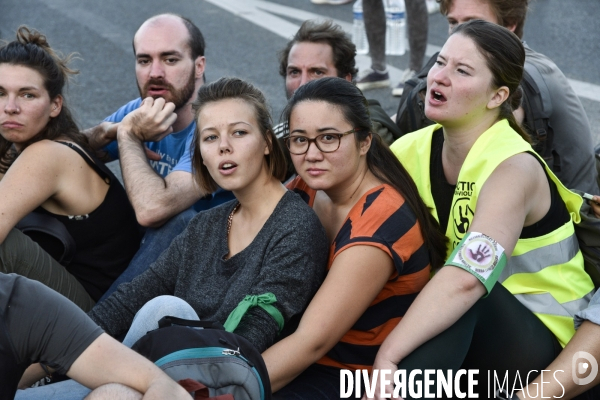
(383, 240)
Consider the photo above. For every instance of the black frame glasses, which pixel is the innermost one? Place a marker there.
(315, 141)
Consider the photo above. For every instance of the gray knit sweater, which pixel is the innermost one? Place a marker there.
(288, 258)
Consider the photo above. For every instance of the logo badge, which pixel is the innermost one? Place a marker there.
(582, 367)
(462, 215)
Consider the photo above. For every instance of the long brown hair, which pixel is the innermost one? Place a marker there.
(31, 49)
(380, 159)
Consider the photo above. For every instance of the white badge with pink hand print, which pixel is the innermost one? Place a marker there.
(480, 255)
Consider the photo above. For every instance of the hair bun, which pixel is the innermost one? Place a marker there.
(35, 45)
(31, 36)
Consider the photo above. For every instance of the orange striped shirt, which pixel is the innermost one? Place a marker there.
(380, 218)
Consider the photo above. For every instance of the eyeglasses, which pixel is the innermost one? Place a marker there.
(327, 142)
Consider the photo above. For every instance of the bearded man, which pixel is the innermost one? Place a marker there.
(155, 152)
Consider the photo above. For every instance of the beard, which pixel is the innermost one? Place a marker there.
(179, 97)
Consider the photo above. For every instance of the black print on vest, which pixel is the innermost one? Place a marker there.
(462, 215)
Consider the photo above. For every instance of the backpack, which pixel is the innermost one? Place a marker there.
(50, 234)
(211, 362)
(411, 109)
(382, 123)
(537, 106)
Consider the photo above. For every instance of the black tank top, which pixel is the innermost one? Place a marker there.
(443, 193)
(106, 239)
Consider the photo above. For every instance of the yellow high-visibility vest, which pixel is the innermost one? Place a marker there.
(544, 273)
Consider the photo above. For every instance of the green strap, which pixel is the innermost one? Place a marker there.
(263, 301)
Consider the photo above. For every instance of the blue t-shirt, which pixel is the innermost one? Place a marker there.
(174, 151)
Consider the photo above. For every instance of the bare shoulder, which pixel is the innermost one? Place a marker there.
(46, 147)
(522, 170)
(46, 153)
(49, 157)
(42, 145)
(516, 194)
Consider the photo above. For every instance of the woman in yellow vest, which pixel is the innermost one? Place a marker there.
(509, 220)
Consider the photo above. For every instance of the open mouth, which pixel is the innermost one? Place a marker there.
(157, 89)
(437, 96)
(227, 166)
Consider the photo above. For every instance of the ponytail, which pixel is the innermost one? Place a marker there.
(506, 112)
(387, 168)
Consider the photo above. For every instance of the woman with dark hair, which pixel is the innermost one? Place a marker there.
(48, 168)
(514, 276)
(383, 240)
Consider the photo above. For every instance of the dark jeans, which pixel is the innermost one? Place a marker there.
(497, 334)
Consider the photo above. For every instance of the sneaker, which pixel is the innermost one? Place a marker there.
(399, 89)
(371, 79)
(331, 2)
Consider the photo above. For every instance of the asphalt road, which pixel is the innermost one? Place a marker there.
(244, 36)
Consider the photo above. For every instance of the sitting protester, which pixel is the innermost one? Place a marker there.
(514, 275)
(48, 169)
(62, 336)
(551, 111)
(558, 378)
(383, 240)
(266, 243)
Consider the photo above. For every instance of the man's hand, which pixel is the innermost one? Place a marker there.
(102, 134)
(151, 122)
(595, 204)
